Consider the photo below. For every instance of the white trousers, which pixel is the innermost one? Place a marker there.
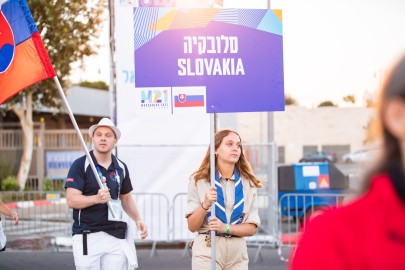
(104, 252)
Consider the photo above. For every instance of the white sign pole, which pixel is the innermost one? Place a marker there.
(212, 175)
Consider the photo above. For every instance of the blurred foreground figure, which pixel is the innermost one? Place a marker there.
(369, 233)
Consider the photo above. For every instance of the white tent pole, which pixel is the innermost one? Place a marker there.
(212, 175)
(113, 86)
(72, 118)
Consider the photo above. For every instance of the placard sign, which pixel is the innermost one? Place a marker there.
(217, 60)
(58, 163)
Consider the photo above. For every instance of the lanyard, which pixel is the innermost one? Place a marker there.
(104, 179)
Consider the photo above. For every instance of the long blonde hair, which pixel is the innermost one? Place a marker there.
(242, 165)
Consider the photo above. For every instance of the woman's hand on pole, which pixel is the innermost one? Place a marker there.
(210, 197)
(216, 224)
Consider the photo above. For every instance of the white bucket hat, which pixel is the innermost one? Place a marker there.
(105, 122)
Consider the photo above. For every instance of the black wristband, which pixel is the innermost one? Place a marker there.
(202, 206)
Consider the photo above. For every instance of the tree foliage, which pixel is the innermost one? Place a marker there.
(289, 100)
(69, 30)
(97, 85)
(349, 99)
(327, 103)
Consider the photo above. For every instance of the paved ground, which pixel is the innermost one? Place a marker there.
(168, 259)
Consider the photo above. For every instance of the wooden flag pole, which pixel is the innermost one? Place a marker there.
(72, 118)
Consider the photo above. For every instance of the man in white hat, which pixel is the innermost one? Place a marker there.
(98, 238)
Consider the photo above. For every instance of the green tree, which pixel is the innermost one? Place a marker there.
(349, 99)
(289, 100)
(69, 30)
(97, 85)
(327, 103)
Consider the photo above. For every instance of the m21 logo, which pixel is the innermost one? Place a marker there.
(155, 96)
(155, 99)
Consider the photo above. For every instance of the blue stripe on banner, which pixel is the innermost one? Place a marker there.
(145, 18)
(251, 18)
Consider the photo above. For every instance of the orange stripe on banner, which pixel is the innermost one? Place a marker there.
(25, 70)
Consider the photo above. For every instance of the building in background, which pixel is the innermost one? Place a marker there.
(87, 104)
(299, 130)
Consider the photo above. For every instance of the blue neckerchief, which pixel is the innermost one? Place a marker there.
(238, 205)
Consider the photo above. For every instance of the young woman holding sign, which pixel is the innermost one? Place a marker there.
(235, 198)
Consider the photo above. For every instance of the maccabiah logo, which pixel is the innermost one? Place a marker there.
(6, 43)
(155, 99)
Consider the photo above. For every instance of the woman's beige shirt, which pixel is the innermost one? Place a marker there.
(196, 194)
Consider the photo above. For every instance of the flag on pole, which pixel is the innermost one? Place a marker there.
(24, 60)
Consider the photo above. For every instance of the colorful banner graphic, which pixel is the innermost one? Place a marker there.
(236, 54)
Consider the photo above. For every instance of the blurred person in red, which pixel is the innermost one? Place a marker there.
(369, 232)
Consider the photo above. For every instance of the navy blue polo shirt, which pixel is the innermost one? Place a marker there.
(95, 218)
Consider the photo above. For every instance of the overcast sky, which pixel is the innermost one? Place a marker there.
(332, 48)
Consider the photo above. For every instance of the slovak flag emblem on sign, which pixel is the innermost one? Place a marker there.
(190, 99)
(182, 98)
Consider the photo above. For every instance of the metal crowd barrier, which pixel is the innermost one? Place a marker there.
(40, 214)
(294, 210)
(263, 237)
(46, 214)
(180, 231)
(154, 208)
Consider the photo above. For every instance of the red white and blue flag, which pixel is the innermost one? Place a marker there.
(24, 60)
(183, 100)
